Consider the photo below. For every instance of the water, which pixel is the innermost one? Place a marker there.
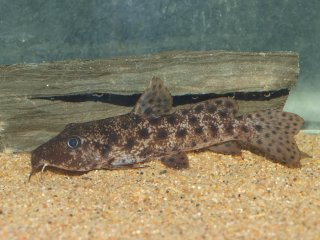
(60, 30)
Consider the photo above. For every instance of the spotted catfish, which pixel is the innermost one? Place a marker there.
(152, 131)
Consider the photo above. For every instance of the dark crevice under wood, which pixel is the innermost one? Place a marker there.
(130, 100)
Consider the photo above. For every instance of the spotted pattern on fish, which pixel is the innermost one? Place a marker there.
(153, 131)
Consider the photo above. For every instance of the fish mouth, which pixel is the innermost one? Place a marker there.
(38, 164)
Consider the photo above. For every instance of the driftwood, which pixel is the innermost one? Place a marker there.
(29, 117)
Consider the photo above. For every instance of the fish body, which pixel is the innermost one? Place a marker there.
(152, 131)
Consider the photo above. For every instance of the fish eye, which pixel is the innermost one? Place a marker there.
(73, 142)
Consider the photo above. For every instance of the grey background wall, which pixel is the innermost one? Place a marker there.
(39, 30)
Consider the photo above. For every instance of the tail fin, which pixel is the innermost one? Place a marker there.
(271, 133)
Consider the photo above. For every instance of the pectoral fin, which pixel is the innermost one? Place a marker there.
(124, 162)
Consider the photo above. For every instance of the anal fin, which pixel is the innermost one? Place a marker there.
(177, 161)
(228, 148)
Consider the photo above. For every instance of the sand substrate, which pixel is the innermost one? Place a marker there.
(218, 197)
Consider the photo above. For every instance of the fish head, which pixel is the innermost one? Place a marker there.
(74, 149)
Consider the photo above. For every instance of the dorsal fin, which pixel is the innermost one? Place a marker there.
(155, 101)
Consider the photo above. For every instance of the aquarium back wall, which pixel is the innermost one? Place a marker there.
(36, 31)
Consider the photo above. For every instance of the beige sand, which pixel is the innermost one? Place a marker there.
(218, 197)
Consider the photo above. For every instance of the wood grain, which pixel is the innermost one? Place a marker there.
(26, 122)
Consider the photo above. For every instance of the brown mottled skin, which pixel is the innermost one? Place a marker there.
(151, 131)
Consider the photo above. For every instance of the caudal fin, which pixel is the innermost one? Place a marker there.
(271, 133)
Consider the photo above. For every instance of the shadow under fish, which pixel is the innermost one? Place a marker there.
(152, 131)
